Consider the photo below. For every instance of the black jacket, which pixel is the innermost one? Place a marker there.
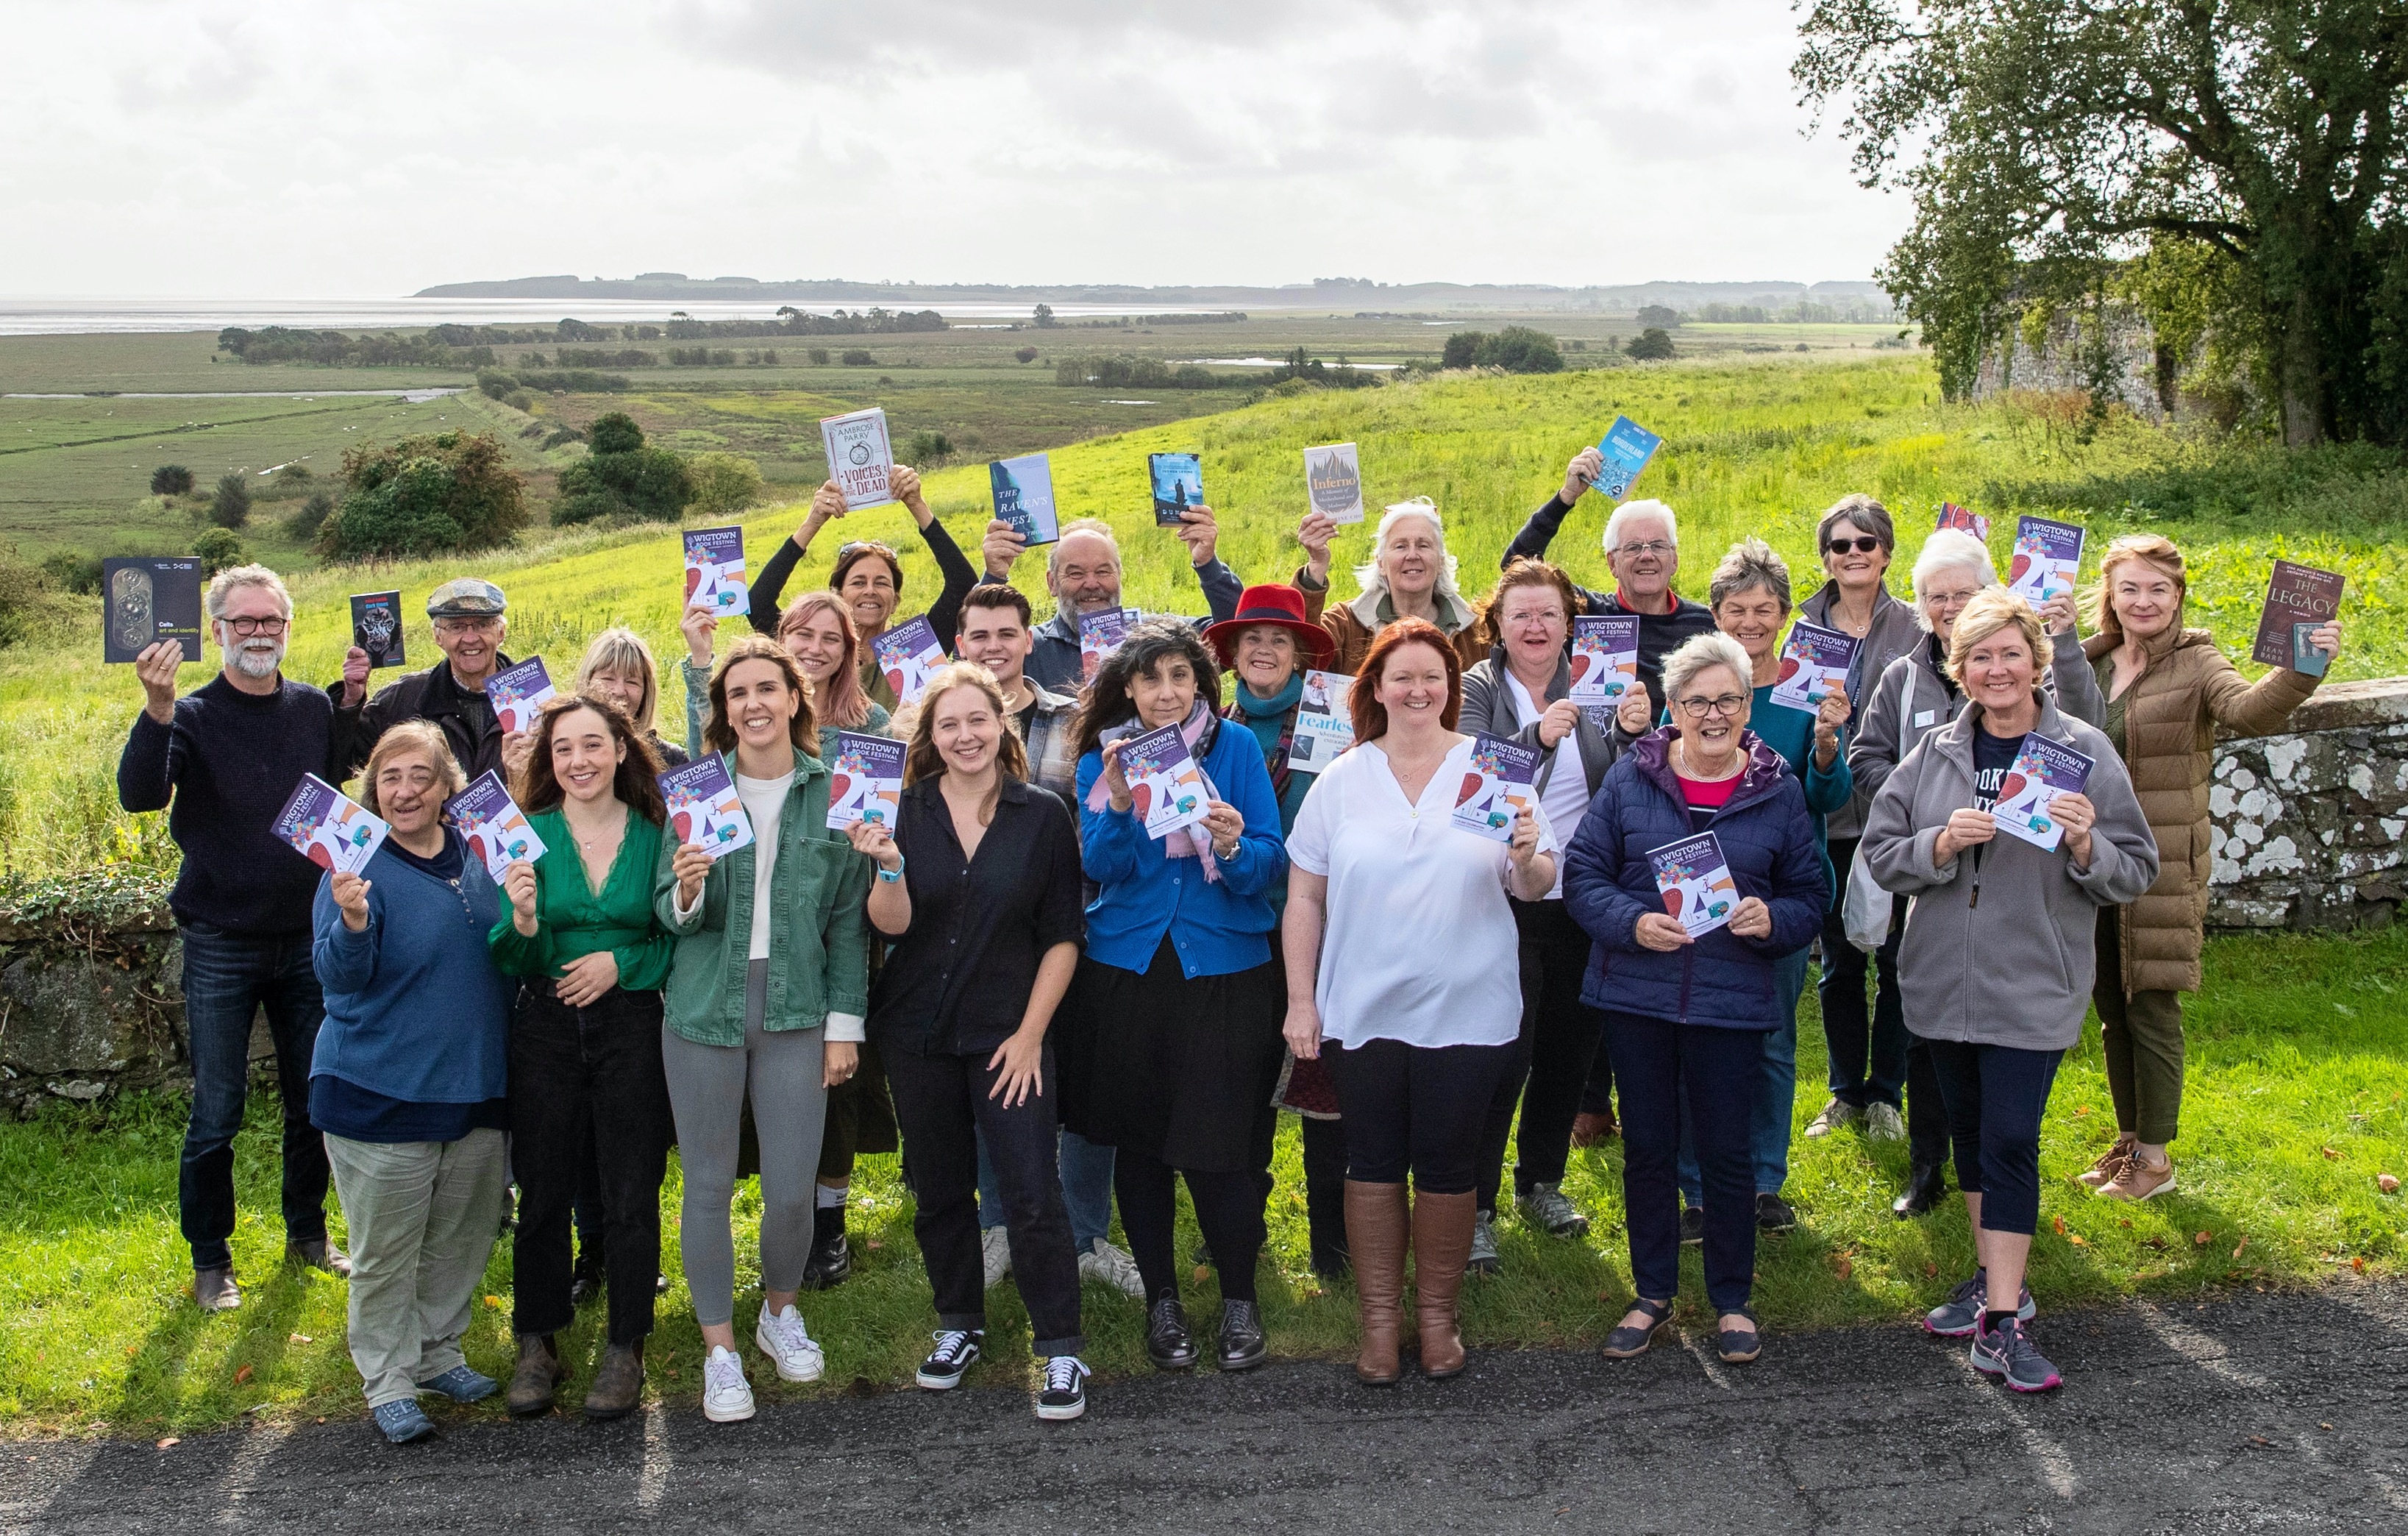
(1660, 634)
(475, 735)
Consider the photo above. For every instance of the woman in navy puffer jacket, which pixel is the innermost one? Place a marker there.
(1683, 1011)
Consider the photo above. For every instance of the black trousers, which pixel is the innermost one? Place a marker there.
(1995, 1096)
(1868, 1048)
(943, 1105)
(586, 1085)
(1720, 1070)
(1416, 1109)
(1558, 1044)
(1927, 1117)
(1229, 1212)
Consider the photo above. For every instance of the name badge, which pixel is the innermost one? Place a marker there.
(1925, 717)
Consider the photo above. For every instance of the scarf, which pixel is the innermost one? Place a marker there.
(1249, 711)
(1197, 730)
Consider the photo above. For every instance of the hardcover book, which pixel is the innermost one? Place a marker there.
(2048, 559)
(2295, 595)
(150, 599)
(1333, 480)
(714, 571)
(2043, 770)
(1164, 780)
(327, 827)
(495, 828)
(858, 454)
(1626, 447)
(1325, 726)
(1023, 496)
(1695, 882)
(1605, 660)
(376, 627)
(1178, 484)
(1814, 661)
(1496, 787)
(517, 692)
(704, 808)
(910, 655)
(864, 782)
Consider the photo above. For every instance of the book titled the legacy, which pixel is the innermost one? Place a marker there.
(864, 782)
(1099, 634)
(1164, 781)
(1178, 484)
(518, 692)
(2043, 770)
(2296, 595)
(1958, 518)
(333, 830)
(1626, 447)
(151, 599)
(1325, 726)
(909, 655)
(1605, 659)
(1496, 787)
(1813, 662)
(1695, 882)
(376, 627)
(714, 571)
(493, 826)
(704, 808)
(858, 454)
(1334, 480)
(2048, 558)
(1023, 497)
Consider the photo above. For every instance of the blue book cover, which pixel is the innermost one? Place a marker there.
(1178, 484)
(1023, 496)
(1626, 447)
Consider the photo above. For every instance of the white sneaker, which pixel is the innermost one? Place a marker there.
(1882, 1123)
(995, 1245)
(784, 1339)
(1114, 1266)
(727, 1396)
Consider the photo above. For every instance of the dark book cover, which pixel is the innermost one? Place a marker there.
(2295, 595)
(376, 627)
(1178, 484)
(150, 599)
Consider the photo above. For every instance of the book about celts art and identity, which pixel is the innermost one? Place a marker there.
(1099, 634)
(1813, 662)
(1496, 786)
(2296, 595)
(1023, 497)
(864, 781)
(1963, 521)
(1695, 881)
(1178, 484)
(704, 808)
(1325, 726)
(859, 454)
(376, 627)
(1604, 659)
(1626, 447)
(2047, 559)
(714, 571)
(1164, 781)
(150, 599)
(1333, 480)
(517, 693)
(2043, 770)
(909, 655)
(493, 826)
(327, 827)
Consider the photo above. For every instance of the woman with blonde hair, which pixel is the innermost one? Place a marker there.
(1411, 575)
(619, 664)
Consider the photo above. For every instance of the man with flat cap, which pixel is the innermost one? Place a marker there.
(470, 625)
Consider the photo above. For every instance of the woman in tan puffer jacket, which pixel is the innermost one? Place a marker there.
(2168, 690)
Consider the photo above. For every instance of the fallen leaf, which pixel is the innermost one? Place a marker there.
(494, 1301)
(2358, 1263)
(2330, 1153)
(874, 1245)
(2157, 1242)
(2238, 1247)
(2203, 1240)
(321, 1420)
(171, 1439)
(2082, 1109)
(2058, 1224)
(1202, 1274)
(1931, 1270)
(2259, 1439)
(1845, 1265)
(242, 1376)
(299, 1338)
(2078, 1240)
(2388, 1183)
(132, 1350)
(2127, 1225)
(2324, 1425)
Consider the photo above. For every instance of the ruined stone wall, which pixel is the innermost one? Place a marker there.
(2308, 824)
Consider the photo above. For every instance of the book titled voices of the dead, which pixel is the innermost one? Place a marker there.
(151, 599)
(2043, 770)
(1605, 658)
(2048, 558)
(714, 571)
(704, 808)
(1178, 484)
(1325, 726)
(517, 693)
(864, 781)
(1695, 882)
(493, 826)
(1626, 447)
(909, 655)
(1496, 786)
(1023, 497)
(2296, 595)
(1164, 781)
(1333, 479)
(376, 627)
(1099, 634)
(859, 453)
(1963, 521)
(334, 831)
(1813, 662)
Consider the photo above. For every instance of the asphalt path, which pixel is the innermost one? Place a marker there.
(2247, 1413)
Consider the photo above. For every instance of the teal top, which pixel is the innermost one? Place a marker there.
(574, 920)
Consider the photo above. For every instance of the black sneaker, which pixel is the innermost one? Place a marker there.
(1168, 1342)
(831, 1257)
(1773, 1214)
(1693, 1225)
(1063, 1396)
(956, 1351)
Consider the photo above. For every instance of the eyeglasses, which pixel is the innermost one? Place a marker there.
(1861, 546)
(1654, 546)
(1542, 615)
(1725, 705)
(463, 626)
(255, 626)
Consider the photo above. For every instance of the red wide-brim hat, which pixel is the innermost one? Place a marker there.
(1283, 606)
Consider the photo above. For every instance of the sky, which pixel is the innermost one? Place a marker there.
(267, 148)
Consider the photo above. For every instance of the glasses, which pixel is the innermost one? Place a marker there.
(1658, 547)
(1542, 615)
(1861, 546)
(255, 626)
(463, 626)
(1725, 705)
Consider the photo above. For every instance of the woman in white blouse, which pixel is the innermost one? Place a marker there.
(1401, 959)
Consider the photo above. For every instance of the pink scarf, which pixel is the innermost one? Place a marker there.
(1191, 841)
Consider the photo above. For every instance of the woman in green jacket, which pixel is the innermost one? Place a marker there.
(767, 995)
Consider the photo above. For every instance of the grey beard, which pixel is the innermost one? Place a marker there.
(258, 664)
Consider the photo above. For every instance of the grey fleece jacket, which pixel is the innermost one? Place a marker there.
(1890, 724)
(1488, 705)
(2001, 942)
(1895, 633)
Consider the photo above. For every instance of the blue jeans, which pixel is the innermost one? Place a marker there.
(1086, 1190)
(1776, 1092)
(227, 978)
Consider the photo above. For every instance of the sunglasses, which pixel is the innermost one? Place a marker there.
(1862, 546)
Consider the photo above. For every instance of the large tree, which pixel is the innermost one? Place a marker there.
(2232, 167)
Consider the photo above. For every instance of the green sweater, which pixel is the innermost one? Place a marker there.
(573, 920)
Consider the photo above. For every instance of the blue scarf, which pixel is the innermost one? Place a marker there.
(1253, 710)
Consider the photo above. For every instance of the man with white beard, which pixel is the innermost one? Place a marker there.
(222, 760)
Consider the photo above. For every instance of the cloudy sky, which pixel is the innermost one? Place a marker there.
(270, 147)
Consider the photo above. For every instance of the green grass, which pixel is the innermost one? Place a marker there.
(2294, 1107)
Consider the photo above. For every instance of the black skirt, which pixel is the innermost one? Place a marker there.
(1175, 1069)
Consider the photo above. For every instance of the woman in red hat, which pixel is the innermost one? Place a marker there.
(1268, 646)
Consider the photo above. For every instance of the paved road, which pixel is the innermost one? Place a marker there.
(2258, 1413)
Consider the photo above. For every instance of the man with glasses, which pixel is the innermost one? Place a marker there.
(470, 624)
(221, 761)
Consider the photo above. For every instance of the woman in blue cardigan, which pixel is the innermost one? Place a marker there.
(1686, 1013)
(1174, 1041)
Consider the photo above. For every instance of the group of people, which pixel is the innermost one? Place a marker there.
(1051, 1015)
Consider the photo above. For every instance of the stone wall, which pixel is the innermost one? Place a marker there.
(2308, 824)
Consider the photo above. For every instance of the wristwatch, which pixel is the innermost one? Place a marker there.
(888, 876)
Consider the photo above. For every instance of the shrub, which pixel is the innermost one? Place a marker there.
(1652, 345)
(230, 508)
(1025, 355)
(21, 595)
(1516, 349)
(303, 525)
(723, 483)
(615, 433)
(171, 479)
(519, 399)
(440, 494)
(71, 572)
(856, 358)
(1462, 349)
(497, 384)
(927, 447)
(1658, 316)
(218, 549)
(819, 357)
(623, 477)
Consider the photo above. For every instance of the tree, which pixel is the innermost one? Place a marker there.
(1043, 315)
(723, 483)
(1657, 315)
(219, 547)
(1025, 355)
(1516, 349)
(441, 494)
(230, 508)
(171, 479)
(2237, 169)
(623, 477)
(303, 525)
(615, 433)
(1652, 345)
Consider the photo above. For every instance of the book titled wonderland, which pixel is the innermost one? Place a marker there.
(1178, 485)
(864, 781)
(704, 808)
(858, 455)
(1814, 661)
(327, 827)
(1695, 882)
(2296, 595)
(376, 627)
(1099, 634)
(1164, 781)
(1626, 447)
(493, 826)
(909, 655)
(1325, 726)
(2048, 558)
(1333, 480)
(1604, 660)
(1496, 787)
(714, 571)
(1023, 497)
(517, 693)
(2043, 770)
(150, 599)
(1958, 518)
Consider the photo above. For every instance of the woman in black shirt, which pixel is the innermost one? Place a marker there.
(978, 891)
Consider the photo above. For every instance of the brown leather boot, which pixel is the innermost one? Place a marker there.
(618, 1382)
(1442, 1246)
(1375, 1238)
(538, 1376)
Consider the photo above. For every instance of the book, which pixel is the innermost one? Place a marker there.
(1325, 726)
(327, 827)
(150, 599)
(2048, 557)
(1023, 496)
(1954, 516)
(1814, 661)
(858, 454)
(2043, 770)
(704, 808)
(2295, 595)
(1099, 634)
(909, 654)
(864, 781)
(1333, 482)
(1164, 780)
(495, 828)
(1695, 882)
(1496, 787)
(1178, 484)
(714, 572)
(2306, 659)
(518, 692)
(1605, 659)
(1626, 447)
(376, 627)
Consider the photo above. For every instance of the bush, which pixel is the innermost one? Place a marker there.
(218, 549)
(723, 483)
(72, 572)
(1652, 345)
(171, 479)
(856, 358)
(1658, 316)
(497, 384)
(1516, 349)
(230, 508)
(819, 357)
(1462, 349)
(1025, 355)
(445, 493)
(927, 447)
(519, 399)
(22, 596)
(303, 525)
(615, 433)
(621, 477)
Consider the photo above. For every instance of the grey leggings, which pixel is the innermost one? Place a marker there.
(706, 1089)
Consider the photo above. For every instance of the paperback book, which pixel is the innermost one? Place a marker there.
(1496, 787)
(1023, 496)
(1164, 780)
(2043, 770)
(1325, 726)
(2048, 558)
(1958, 518)
(1099, 634)
(1813, 662)
(714, 571)
(151, 599)
(495, 828)
(1178, 484)
(1626, 447)
(1695, 882)
(703, 810)
(328, 827)
(2296, 596)
(864, 782)
(518, 692)
(2307, 659)
(1334, 482)
(909, 654)
(858, 454)
(1605, 659)
(376, 627)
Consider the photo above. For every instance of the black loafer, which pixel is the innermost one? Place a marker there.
(1242, 1346)
(1738, 1346)
(1626, 1341)
(1168, 1344)
(1927, 1185)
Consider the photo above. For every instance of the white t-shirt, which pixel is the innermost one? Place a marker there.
(1419, 946)
(765, 800)
(1565, 801)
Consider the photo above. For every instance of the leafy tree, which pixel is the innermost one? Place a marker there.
(71, 572)
(1043, 315)
(927, 447)
(1462, 349)
(819, 357)
(1516, 349)
(1652, 345)
(623, 477)
(615, 433)
(303, 525)
(171, 479)
(444, 493)
(1660, 316)
(723, 483)
(855, 357)
(230, 508)
(219, 547)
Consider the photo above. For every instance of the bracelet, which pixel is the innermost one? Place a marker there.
(885, 877)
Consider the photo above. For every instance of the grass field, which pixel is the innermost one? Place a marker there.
(2294, 1109)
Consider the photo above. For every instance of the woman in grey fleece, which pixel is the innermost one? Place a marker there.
(2000, 946)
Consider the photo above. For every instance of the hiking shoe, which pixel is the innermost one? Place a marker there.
(1693, 1225)
(1483, 1258)
(1111, 1266)
(214, 1290)
(2008, 1352)
(403, 1421)
(1835, 1116)
(995, 1254)
(1882, 1123)
(1773, 1213)
(618, 1385)
(1958, 1317)
(537, 1376)
(1545, 1204)
(1064, 1395)
(462, 1385)
(319, 1253)
(727, 1396)
(789, 1346)
(2111, 1162)
(956, 1351)
(2137, 1179)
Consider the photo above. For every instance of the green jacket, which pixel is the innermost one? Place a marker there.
(819, 936)
(573, 920)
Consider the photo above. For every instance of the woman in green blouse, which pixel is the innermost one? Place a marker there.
(585, 1042)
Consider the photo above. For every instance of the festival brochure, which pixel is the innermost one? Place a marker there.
(1814, 661)
(1626, 447)
(1325, 726)
(1178, 484)
(1496, 787)
(518, 692)
(2048, 558)
(2306, 659)
(496, 829)
(1164, 781)
(376, 627)
(2295, 595)
(864, 782)
(151, 599)
(909, 654)
(1099, 634)
(1605, 659)
(333, 830)
(1695, 882)
(1023, 497)
(858, 454)
(704, 808)
(2043, 770)
(714, 571)
(1333, 482)
(1954, 516)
